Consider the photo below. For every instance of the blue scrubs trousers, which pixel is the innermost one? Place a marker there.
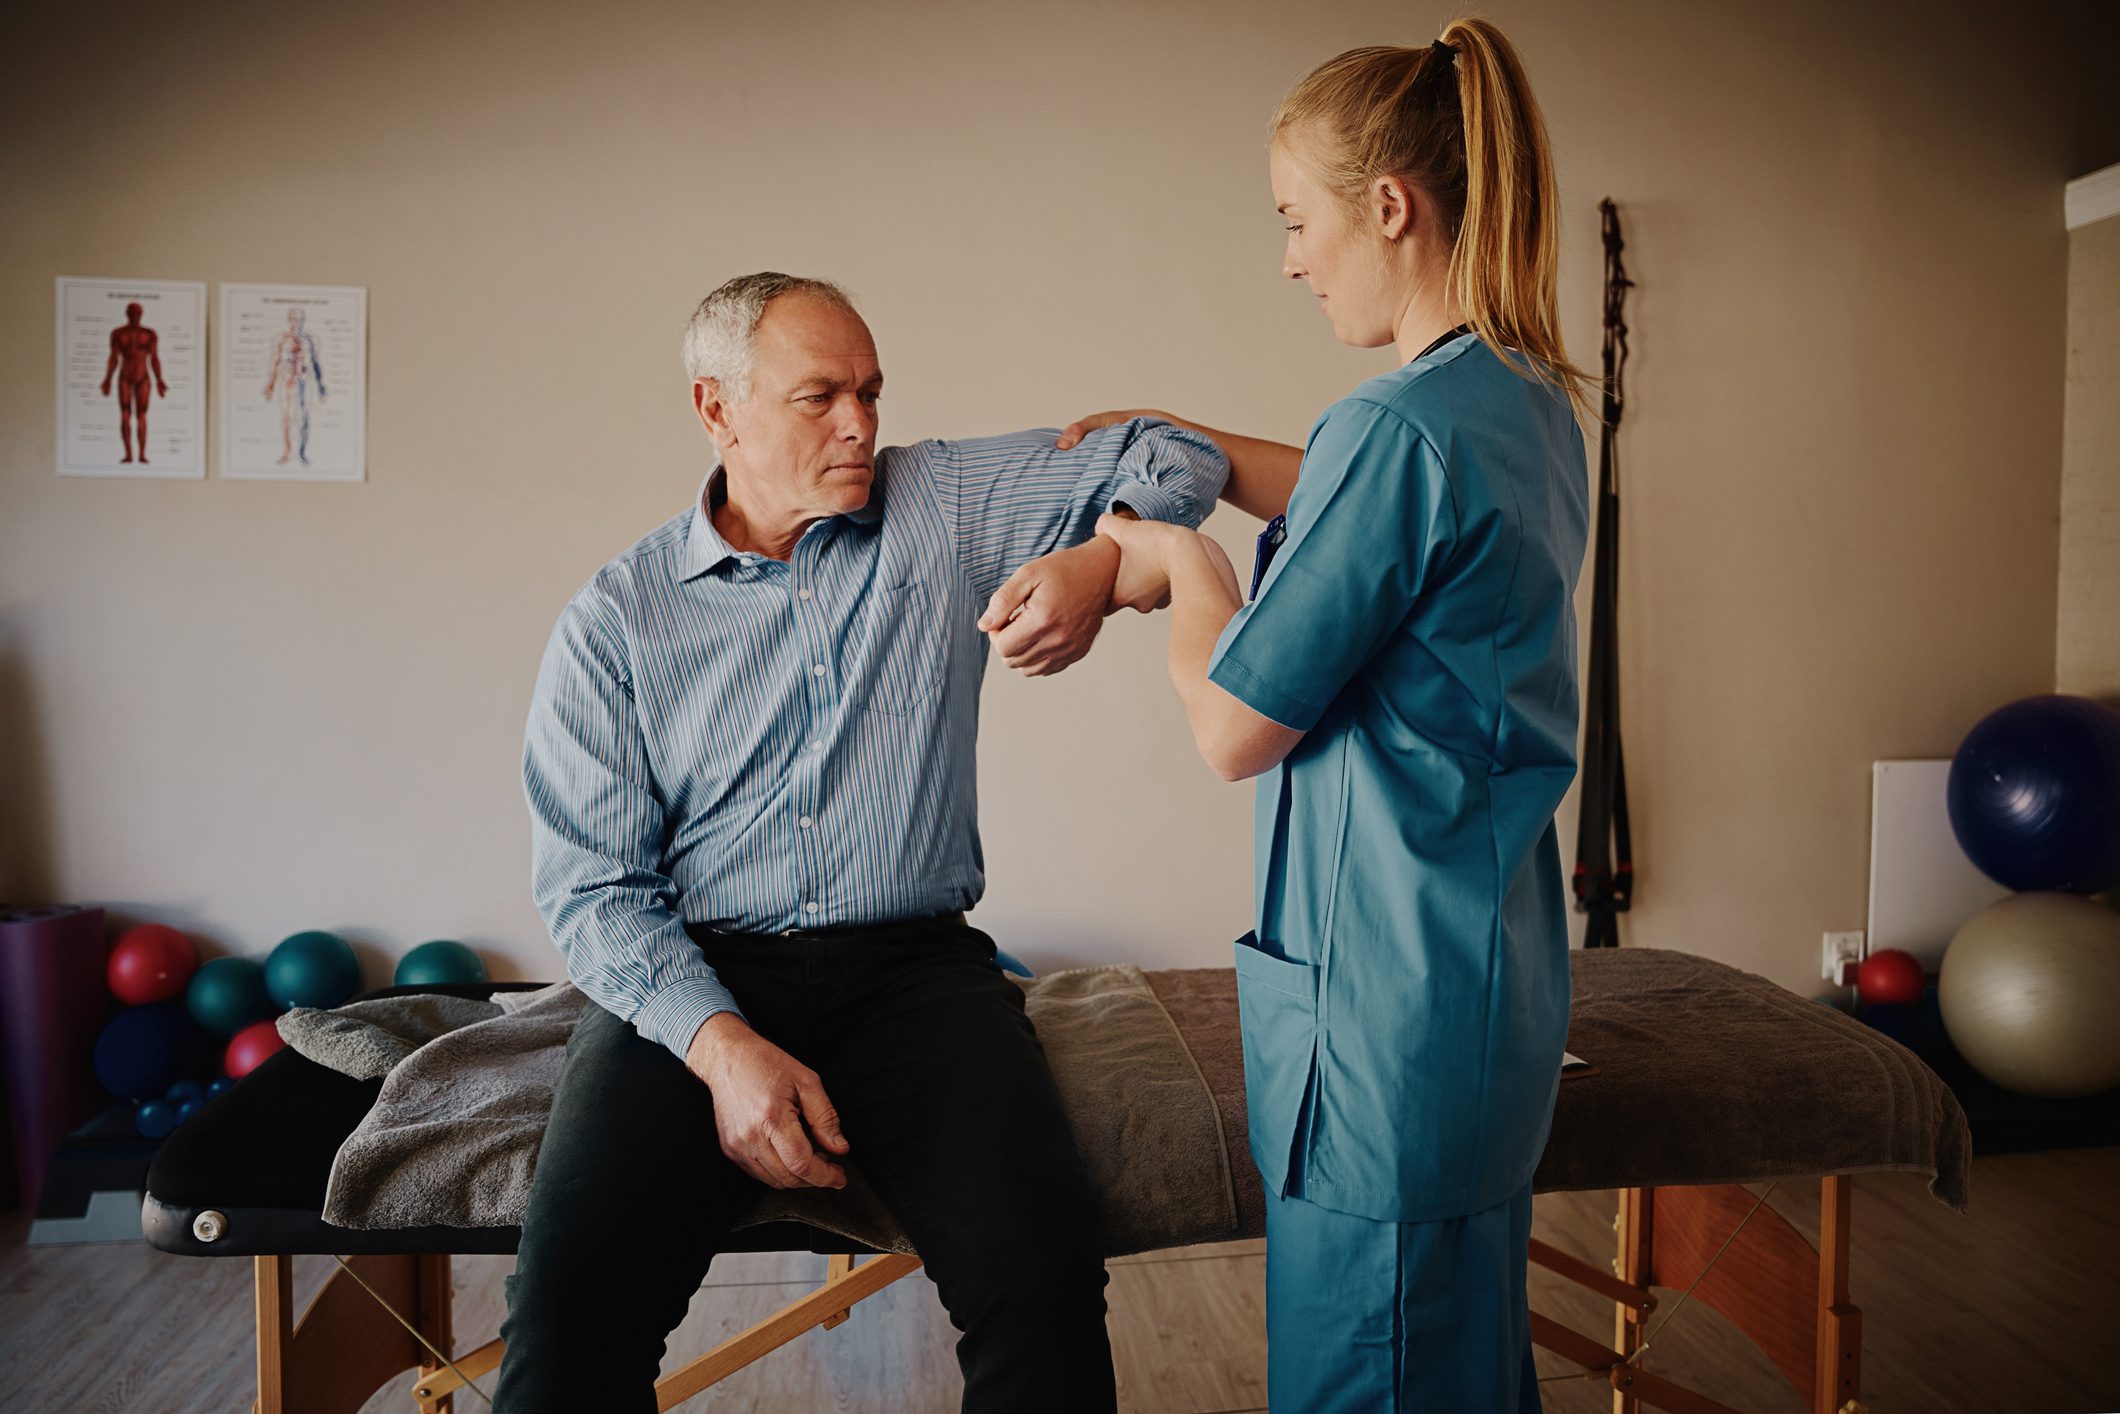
(1369, 1317)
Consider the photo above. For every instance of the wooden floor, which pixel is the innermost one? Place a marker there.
(2015, 1308)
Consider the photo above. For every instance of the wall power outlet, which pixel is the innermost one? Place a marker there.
(1843, 952)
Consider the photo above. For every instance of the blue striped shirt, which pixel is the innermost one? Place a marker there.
(757, 745)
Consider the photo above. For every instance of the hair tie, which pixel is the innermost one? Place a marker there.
(1449, 51)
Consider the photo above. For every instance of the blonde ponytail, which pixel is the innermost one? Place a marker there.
(1458, 120)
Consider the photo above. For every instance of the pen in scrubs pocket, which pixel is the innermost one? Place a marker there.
(1270, 540)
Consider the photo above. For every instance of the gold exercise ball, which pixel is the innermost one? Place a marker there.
(2030, 993)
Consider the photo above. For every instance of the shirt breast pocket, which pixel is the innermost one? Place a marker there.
(898, 662)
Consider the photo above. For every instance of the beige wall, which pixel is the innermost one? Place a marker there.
(2087, 649)
(256, 707)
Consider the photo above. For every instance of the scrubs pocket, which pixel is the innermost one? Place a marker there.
(1277, 1004)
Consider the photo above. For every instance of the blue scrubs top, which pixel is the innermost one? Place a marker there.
(1405, 997)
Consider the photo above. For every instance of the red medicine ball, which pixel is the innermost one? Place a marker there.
(1891, 977)
(151, 963)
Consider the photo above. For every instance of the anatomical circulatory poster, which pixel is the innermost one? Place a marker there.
(294, 382)
(131, 377)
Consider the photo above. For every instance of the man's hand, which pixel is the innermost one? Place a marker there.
(1047, 615)
(763, 1100)
(1075, 431)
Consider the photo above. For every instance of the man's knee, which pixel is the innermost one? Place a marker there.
(1025, 1263)
(577, 1259)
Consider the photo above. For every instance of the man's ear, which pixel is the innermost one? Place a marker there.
(713, 412)
(1391, 204)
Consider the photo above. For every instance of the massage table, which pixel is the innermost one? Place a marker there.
(1705, 1079)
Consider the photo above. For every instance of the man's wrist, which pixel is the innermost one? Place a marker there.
(713, 1036)
(1105, 550)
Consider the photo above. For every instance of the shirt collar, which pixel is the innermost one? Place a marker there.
(704, 546)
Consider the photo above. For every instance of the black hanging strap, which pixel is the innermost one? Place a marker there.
(1604, 846)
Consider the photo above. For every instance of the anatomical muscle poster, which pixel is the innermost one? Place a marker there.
(131, 377)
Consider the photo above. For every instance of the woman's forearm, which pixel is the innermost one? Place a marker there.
(1261, 473)
(1203, 599)
(1234, 740)
(1193, 575)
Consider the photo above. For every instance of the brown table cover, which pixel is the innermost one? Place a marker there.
(1705, 1074)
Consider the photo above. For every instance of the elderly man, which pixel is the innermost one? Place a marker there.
(749, 763)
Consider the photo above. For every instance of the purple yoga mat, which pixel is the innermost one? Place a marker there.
(53, 1001)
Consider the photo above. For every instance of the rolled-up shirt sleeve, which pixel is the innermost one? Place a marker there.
(597, 830)
(1012, 498)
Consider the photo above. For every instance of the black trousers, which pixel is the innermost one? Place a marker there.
(950, 1111)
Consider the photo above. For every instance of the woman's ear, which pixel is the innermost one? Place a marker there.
(1391, 205)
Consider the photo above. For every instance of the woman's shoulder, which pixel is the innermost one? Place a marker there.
(1463, 379)
(1415, 394)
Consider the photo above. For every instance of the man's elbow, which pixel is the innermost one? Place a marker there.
(1197, 457)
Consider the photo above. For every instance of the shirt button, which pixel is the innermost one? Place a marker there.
(805, 822)
(805, 594)
(811, 906)
(817, 671)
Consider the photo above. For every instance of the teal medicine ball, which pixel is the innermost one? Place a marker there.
(312, 969)
(228, 994)
(440, 963)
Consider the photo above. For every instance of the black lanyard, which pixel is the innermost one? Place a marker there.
(1441, 339)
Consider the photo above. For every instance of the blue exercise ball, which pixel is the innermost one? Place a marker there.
(154, 1120)
(312, 968)
(146, 1049)
(2034, 795)
(184, 1092)
(438, 964)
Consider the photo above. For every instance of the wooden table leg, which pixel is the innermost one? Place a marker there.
(1839, 1320)
(273, 1289)
(431, 1316)
(838, 1267)
(1635, 1224)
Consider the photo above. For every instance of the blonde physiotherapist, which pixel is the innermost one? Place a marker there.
(1403, 685)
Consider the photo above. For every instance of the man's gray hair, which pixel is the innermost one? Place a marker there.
(720, 340)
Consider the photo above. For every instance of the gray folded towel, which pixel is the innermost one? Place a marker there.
(452, 1139)
(367, 1039)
